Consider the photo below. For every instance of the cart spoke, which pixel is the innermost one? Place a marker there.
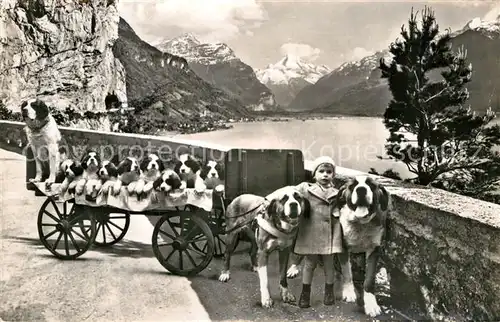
(103, 232)
(57, 241)
(112, 223)
(49, 225)
(198, 239)
(78, 234)
(173, 227)
(110, 231)
(167, 234)
(50, 234)
(52, 216)
(195, 250)
(56, 208)
(65, 206)
(66, 244)
(118, 217)
(165, 244)
(181, 264)
(169, 255)
(73, 241)
(190, 258)
(78, 218)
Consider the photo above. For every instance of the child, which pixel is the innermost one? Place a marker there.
(320, 236)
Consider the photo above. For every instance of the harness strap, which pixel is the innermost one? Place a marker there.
(266, 225)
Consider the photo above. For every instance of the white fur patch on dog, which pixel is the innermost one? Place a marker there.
(371, 306)
(265, 297)
(348, 293)
(293, 271)
(224, 276)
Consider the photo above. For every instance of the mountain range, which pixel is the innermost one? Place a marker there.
(355, 88)
(289, 76)
(218, 65)
(159, 91)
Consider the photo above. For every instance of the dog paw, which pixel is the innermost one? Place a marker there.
(255, 268)
(286, 295)
(183, 185)
(348, 293)
(266, 302)
(219, 188)
(293, 271)
(147, 188)
(224, 276)
(371, 306)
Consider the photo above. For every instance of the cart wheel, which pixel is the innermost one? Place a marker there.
(217, 225)
(59, 228)
(173, 238)
(111, 227)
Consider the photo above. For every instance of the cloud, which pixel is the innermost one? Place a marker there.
(212, 20)
(360, 52)
(303, 51)
(493, 14)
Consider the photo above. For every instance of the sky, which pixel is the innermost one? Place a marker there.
(322, 32)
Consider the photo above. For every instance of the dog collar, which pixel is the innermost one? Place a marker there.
(264, 224)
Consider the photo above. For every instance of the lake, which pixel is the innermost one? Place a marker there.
(353, 142)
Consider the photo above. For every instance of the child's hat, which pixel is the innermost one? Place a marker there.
(322, 160)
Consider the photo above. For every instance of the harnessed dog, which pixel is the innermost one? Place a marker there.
(270, 224)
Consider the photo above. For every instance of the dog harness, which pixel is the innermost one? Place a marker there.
(270, 229)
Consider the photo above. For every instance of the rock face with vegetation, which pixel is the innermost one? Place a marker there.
(166, 97)
(61, 52)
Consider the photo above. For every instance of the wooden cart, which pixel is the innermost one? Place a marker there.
(189, 231)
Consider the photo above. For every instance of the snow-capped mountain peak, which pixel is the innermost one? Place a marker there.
(366, 64)
(189, 47)
(291, 67)
(490, 28)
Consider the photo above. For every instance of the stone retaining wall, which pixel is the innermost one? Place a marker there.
(442, 252)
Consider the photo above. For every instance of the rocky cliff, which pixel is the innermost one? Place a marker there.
(217, 64)
(60, 51)
(166, 96)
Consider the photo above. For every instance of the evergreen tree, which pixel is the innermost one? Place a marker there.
(442, 141)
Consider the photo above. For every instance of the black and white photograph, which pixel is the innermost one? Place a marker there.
(249, 160)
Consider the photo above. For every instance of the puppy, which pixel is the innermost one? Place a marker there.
(129, 173)
(108, 174)
(43, 137)
(168, 181)
(151, 168)
(212, 174)
(363, 204)
(270, 225)
(90, 182)
(188, 168)
(73, 172)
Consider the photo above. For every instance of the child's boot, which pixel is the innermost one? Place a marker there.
(305, 296)
(329, 297)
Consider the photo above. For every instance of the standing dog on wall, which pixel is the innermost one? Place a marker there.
(43, 137)
(363, 204)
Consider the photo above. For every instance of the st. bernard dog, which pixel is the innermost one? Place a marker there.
(108, 174)
(188, 168)
(129, 173)
(363, 204)
(43, 138)
(270, 224)
(151, 169)
(212, 173)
